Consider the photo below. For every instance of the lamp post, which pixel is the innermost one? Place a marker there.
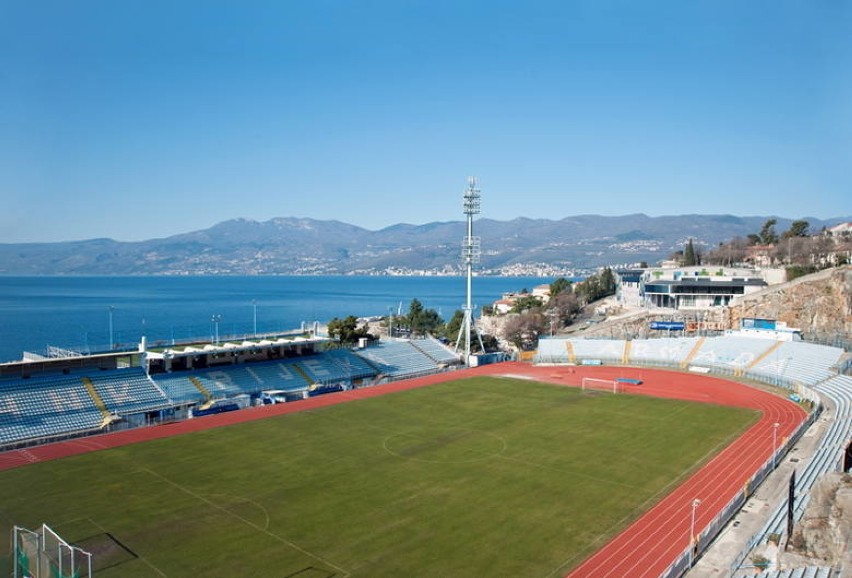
(216, 319)
(110, 308)
(695, 504)
(254, 305)
(774, 438)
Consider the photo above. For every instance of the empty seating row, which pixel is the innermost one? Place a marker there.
(797, 361)
(29, 426)
(806, 572)
(731, 351)
(399, 358)
(439, 352)
(671, 350)
(179, 388)
(129, 390)
(602, 349)
(45, 407)
(552, 351)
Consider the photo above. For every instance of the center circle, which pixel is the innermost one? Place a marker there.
(447, 446)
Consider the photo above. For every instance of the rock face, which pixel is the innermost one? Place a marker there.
(824, 534)
(819, 304)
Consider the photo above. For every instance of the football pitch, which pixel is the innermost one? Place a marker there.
(483, 476)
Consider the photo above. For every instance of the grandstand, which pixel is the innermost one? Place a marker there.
(46, 408)
(85, 399)
(402, 358)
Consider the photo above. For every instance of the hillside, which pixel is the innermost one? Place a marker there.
(309, 246)
(819, 304)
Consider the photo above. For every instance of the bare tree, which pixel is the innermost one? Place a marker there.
(522, 330)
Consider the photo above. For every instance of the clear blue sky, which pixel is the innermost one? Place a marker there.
(135, 119)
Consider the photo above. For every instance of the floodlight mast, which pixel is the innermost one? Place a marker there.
(471, 252)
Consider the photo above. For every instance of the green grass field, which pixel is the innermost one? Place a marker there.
(477, 477)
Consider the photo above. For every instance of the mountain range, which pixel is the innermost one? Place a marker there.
(303, 246)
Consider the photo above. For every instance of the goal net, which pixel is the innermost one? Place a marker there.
(596, 384)
(44, 554)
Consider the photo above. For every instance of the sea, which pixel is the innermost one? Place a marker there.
(81, 313)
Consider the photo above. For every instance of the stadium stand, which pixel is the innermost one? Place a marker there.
(552, 351)
(128, 391)
(668, 350)
(179, 388)
(336, 365)
(42, 408)
(291, 375)
(732, 352)
(807, 572)
(278, 375)
(398, 358)
(607, 350)
(806, 363)
(440, 353)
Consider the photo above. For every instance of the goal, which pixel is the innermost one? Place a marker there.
(44, 554)
(596, 384)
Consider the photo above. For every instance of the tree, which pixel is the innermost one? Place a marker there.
(767, 232)
(451, 329)
(489, 341)
(421, 320)
(526, 303)
(607, 282)
(347, 331)
(596, 286)
(734, 251)
(797, 229)
(559, 286)
(563, 308)
(689, 258)
(523, 330)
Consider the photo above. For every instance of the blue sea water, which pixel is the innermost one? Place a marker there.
(74, 312)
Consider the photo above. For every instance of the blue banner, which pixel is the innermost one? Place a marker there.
(667, 325)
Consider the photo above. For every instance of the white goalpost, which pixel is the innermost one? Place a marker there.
(44, 554)
(596, 384)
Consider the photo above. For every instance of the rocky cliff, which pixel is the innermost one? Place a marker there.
(819, 304)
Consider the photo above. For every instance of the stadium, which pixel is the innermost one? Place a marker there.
(397, 459)
(290, 455)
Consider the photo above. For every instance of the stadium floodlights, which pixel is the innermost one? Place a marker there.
(44, 554)
(597, 384)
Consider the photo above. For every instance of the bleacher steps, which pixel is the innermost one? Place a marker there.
(423, 351)
(98, 401)
(208, 397)
(765, 354)
(625, 358)
(572, 357)
(693, 352)
(302, 373)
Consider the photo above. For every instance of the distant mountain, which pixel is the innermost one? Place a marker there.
(309, 246)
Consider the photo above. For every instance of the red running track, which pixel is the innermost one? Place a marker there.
(645, 548)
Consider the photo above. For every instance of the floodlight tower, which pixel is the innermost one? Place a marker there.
(471, 252)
